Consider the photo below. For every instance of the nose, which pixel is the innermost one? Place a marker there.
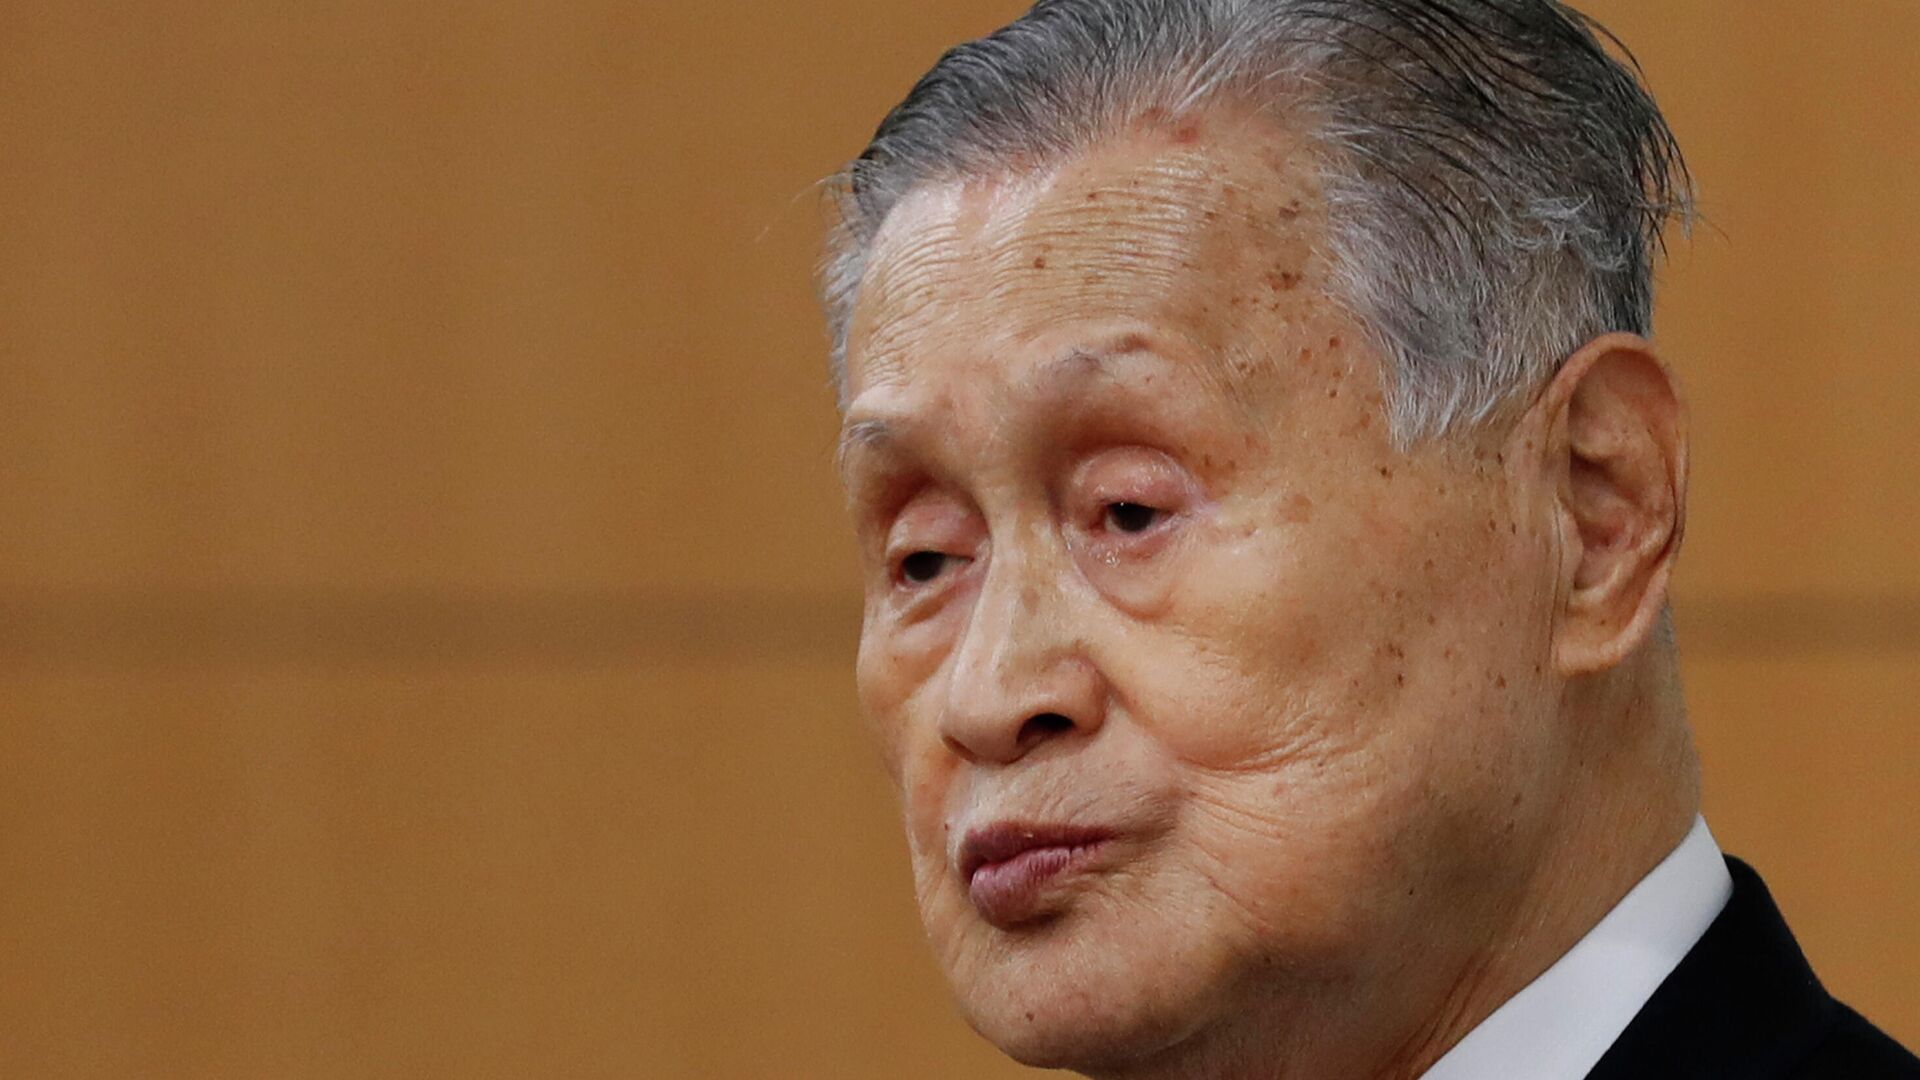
(1021, 676)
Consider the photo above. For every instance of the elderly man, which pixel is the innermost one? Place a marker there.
(1268, 492)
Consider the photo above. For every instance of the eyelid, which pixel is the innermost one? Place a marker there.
(1135, 475)
(942, 524)
(879, 495)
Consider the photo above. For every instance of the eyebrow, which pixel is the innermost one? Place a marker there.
(861, 435)
(1083, 364)
(1074, 365)
(1086, 361)
(1079, 364)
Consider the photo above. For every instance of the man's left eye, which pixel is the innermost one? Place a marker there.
(1128, 517)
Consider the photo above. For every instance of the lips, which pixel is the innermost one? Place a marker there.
(1012, 868)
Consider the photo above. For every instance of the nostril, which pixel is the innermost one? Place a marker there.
(1043, 727)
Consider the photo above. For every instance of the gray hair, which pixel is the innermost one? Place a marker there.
(1497, 182)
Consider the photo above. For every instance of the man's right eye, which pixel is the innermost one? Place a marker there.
(922, 567)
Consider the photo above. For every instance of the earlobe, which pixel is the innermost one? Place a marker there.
(1618, 431)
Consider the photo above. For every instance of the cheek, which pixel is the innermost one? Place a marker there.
(1256, 650)
(881, 695)
(1353, 645)
(895, 686)
(900, 685)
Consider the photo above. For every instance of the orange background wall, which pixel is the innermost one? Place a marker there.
(425, 616)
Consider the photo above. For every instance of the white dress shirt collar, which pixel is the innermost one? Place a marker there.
(1559, 1025)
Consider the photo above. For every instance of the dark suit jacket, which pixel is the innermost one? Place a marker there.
(1744, 1005)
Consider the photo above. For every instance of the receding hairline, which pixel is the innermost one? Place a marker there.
(1500, 177)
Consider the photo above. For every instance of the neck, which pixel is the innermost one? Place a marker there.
(1628, 796)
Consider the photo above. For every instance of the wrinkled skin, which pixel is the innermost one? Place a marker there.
(1140, 555)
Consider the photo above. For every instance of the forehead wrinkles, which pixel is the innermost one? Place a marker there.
(1134, 230)
(1175, 236)
(920, 251)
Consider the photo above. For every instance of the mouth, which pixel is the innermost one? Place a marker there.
(1012, 869)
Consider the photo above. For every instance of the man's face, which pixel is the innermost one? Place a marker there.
(1206, 705)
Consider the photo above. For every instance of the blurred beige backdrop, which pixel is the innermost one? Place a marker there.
(425, 614)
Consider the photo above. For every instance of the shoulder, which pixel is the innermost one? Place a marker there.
(1744, 1004)
(1854, 1049)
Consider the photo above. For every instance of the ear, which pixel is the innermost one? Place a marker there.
(1617, 452)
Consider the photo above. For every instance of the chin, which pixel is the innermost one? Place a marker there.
(1075, 994)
